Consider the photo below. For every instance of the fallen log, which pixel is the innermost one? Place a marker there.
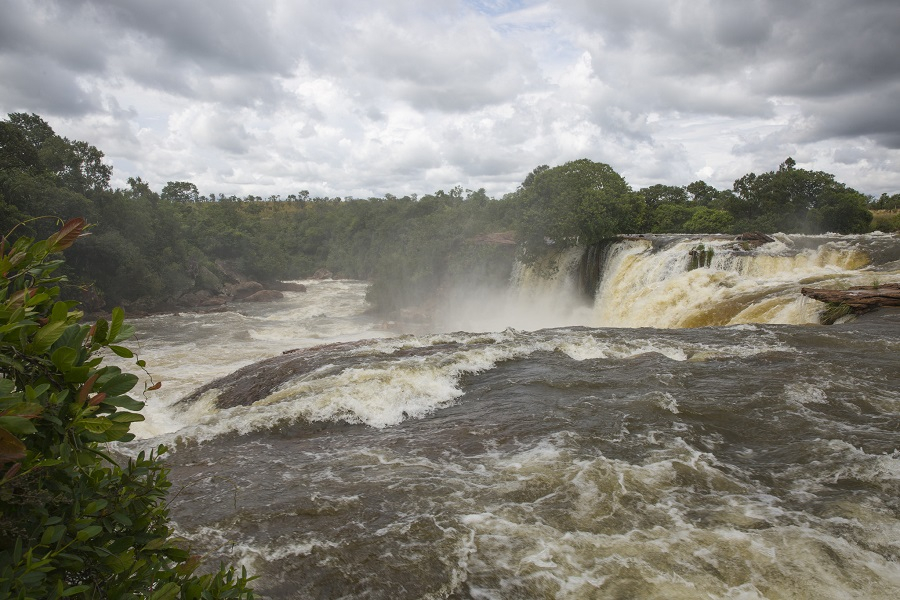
(860, 298)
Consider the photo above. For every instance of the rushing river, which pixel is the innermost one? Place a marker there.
(757, 456)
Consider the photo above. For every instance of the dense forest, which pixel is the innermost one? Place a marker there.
(148, 250)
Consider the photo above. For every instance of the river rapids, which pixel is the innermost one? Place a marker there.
(685, 431)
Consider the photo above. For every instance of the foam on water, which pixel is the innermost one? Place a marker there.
(380, 384)
(645, 286)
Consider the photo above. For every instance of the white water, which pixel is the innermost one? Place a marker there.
(184, 351)
(641, 287)
(744, 461)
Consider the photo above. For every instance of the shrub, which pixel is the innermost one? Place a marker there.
(73, 521)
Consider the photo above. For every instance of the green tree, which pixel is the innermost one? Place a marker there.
(701, 193)
(670, 217)
(660, 194)
(77, 165)
(708, 220)
(75, 523)
(578, 202)
(797, 200)
(180, 191)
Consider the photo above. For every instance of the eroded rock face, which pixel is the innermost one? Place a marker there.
(264, 296)
(859, 298)
(755, 238)
(286, 286)
(244, 289)
(197, 298)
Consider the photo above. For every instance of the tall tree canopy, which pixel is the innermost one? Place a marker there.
(579, 202)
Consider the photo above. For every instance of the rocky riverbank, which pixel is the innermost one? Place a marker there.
(213, 289)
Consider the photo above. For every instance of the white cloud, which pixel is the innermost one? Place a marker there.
(346, 97)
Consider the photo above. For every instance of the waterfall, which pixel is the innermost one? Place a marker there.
(665, 285)
(678, 281)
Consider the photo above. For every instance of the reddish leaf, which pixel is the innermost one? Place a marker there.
(155, 386)
(11, 448)
(97, 399)
(66, 236)
(86, 388)
(19, 297)
(11, 472)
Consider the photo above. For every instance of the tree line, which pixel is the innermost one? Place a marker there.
(146, 247)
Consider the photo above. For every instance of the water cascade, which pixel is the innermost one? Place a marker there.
(692, 281)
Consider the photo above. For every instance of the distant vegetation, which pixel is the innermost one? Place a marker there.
(148, 247)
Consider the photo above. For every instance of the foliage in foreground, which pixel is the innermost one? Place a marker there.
(73, 522)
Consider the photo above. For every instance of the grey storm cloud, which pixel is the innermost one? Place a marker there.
(715, 57)
(368, 94)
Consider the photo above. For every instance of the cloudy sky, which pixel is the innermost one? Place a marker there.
(367, 97)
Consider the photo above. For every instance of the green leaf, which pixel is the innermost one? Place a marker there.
(45, 337)
(126, 402)
(126, 417)
(52, 534)
(119, 563)
(88, 532)
(37, 299)
(64, 358)
(166, 592)
(74, 336)
(122, 351)
(33, 393)
(96, 425)
(76, 590)
(101, 329)
(17, 425)
(115, 325)
(6, 386)
(126, 333)
(118, 384)
(60, 312)
(77, 374)
(122, 518)
(95, 506)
